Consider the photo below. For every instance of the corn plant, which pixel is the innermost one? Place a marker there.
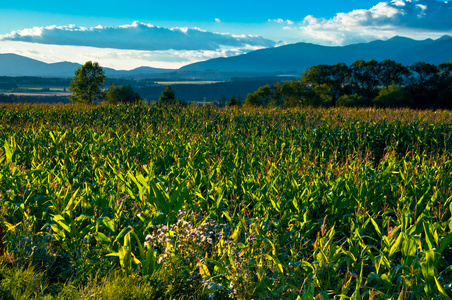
(339, 203)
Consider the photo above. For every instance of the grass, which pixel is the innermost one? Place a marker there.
(52, 89)
(188, 202)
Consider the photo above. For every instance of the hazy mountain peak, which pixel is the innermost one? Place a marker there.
(444, 37)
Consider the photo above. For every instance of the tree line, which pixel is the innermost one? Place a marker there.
(360, 84)
(33, 99)
(372, 83)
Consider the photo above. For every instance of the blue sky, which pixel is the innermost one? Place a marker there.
(128, 34)
(39, 13)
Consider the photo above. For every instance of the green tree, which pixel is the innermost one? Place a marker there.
(292, 101)
(353, 100)
(324, 96)
(316, 75)
(234, 101)
(392, 73)
(261, 97)
(121, 94)
(425, 84)
(393, 96)
(88, 83)
(113, 94)
(289, 93)
(364, 78)
(445, 85)
(335, 76)
(168, 96)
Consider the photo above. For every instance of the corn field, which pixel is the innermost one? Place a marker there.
(199, 203)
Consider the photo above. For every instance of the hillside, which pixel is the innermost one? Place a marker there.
(298, 57)
(16, 65)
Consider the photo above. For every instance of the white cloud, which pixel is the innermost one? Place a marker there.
(136, 36)
(398, 3)
(411, 18)
(217, 20)
(281, 21)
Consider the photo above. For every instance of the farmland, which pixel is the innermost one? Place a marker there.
(167, 201)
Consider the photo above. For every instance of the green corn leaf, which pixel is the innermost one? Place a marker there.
(377, 229)
(218, 265)
(395, 247)
(428, 269)
(52, 136)
(109, 223)
(158, 198)
(278, 264)
(384, 279)
(178, 196)
(445, 242)
(428, 237)
(150, 263)
(226, 214)
(441, 290)
(356, 295)
(71, 201)
(102, 237)
(62, 222)
(203, 270)
(9, 152)
(140, 246)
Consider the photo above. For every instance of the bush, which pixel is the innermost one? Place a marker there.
(393, 96)
(121, 94)
(234, 101)
(353, 101)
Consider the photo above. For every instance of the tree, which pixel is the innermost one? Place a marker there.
(364, 78)
(339, 79)
(87, 85)
(335, 76)
(292, 93)
(353, 100)
(121, 94)
(168, 96)
(393, 96)
(261, 97)
(113, 94)
(445, 85)
(234, 101)
(316, 75)
(324, 96)
(424, 85)
(392, 73)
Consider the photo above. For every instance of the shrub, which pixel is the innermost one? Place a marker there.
(393, 96)
(353, 101)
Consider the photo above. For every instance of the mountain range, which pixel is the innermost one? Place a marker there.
(16, 65)
(288, 59)
(298, 57)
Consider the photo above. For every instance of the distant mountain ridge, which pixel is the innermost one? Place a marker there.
(16, 65)
(300, 56)
(293, 58)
